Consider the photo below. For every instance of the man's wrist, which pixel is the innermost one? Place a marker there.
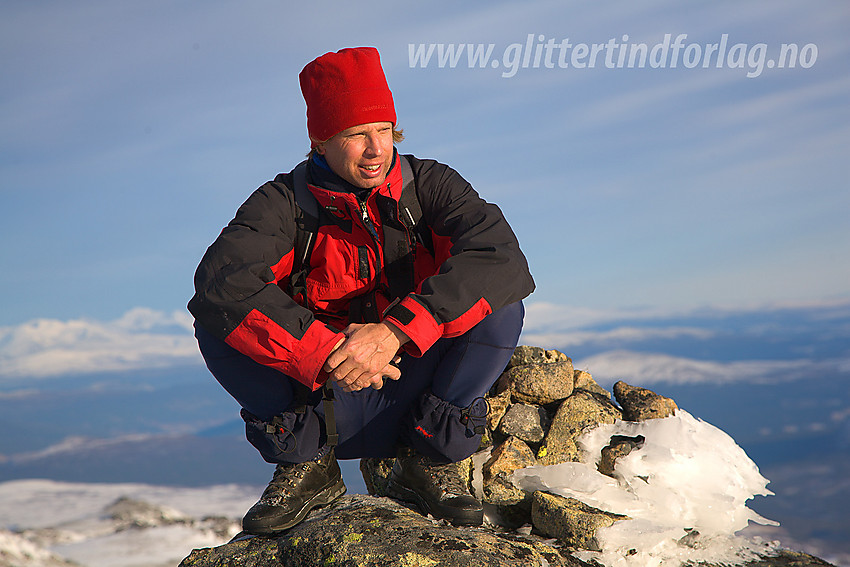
(399, 334)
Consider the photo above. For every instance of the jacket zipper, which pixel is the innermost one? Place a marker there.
(370, 227)
(364, 215)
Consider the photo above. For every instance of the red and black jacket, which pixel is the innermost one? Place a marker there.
(464, 264)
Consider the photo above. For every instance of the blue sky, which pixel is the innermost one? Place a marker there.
(131, 132)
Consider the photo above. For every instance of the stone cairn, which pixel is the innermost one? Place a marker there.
(538, 408)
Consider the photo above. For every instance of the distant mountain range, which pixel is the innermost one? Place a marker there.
(776, 380)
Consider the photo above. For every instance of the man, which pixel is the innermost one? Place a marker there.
(380, 336)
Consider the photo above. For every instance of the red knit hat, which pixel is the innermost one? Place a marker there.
(344, 89)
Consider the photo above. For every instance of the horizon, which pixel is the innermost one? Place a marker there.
(610, 342)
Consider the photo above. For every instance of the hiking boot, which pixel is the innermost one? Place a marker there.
(437, 489)
(295, 489)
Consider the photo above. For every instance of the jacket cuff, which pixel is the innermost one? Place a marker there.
(316, 346)
(268, 344)
(415, 321)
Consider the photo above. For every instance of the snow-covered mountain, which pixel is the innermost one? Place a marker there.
(56, 524)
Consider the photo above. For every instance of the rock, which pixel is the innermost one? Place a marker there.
(465, 468)
(539, 384)
(486, 439)
(575, 414)
(640, 404)
(376, 474)
(571, 521)
(498, 405)
(785, 558)
(582, 380)
(511, 455)
(619, 446)
(525, 422)
(365, 531)
(524, 355)
(130, 513)
(558, 449)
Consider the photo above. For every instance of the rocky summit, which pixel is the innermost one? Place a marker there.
(538, 409)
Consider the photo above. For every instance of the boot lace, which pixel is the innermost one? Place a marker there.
(284, 480)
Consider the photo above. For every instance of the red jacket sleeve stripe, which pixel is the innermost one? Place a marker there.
(267, 343)
(423, 330)
(468, 320)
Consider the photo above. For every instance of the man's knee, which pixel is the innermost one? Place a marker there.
(502, 327)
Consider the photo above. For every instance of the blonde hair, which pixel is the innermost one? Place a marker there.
(398, 136)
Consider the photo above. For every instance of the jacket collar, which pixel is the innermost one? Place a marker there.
(322, 177)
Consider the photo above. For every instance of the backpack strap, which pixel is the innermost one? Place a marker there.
(307, 223)
(330, 417)
(411, 211)
(401, 237)
(308, 215)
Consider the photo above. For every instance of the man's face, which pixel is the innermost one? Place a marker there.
(362, 154)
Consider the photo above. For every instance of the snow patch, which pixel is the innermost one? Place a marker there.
(685, 491)
(18, 551)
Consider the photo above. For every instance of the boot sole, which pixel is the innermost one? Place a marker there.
(322, 498)
(400, 492)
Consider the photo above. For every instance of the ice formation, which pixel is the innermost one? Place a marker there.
(685, 492)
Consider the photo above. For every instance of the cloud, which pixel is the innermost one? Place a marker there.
(76, 445)
(654, 368)
(144, 338)
(141, 338)
(543, 316)
(620, 335)
(645, 346)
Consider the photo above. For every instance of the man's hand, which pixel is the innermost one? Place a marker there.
(364, 358)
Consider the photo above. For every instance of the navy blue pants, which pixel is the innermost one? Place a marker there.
(436, 406)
